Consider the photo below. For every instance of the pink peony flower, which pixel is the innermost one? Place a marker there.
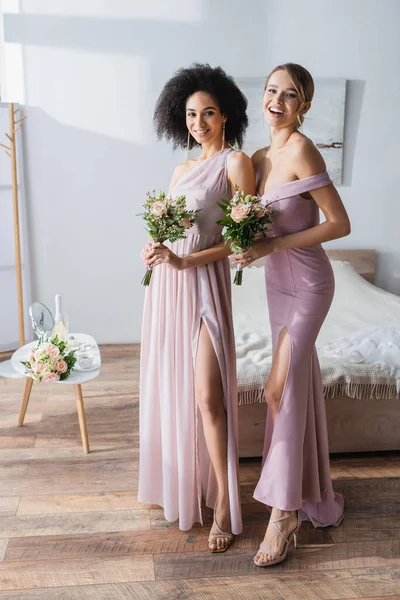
(54, 352)
(51, 377)
(61, 366)
(159, 208)
(186, 223)
(240, 212)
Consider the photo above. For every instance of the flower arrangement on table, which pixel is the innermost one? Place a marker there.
(50, 361)
(245, 217)
(167, 220)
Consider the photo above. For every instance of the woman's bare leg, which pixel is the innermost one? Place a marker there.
(209, 397)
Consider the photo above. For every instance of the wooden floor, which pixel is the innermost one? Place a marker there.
(71, 527)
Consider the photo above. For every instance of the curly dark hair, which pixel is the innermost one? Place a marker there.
(170, 110)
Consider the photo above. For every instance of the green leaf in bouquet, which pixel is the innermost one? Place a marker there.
(223, 203)
(225, 221)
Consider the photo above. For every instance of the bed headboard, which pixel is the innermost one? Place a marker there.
(362, 261)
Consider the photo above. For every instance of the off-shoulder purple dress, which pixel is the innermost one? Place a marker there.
(300, 288)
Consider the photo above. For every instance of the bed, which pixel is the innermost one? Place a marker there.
(362, 399)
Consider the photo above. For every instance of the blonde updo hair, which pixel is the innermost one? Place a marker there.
(303, 83)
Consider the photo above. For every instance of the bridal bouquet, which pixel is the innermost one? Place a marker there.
(50, 361)
(244, 218)
(167, 219)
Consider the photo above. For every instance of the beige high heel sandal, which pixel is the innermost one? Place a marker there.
(216, 536)
(267, 550)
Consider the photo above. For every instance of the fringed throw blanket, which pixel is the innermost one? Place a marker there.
(358, 347)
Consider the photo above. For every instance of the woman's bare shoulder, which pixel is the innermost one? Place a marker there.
(306, 157)
(183, 167)
(180, 171)
(258, 158)
(259, 155)
(239, 159)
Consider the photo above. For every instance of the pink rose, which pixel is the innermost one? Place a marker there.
(240, 212)
(33, 372)
(51, 377)
(54, 352)
(44, 348)
(61, 366)
(186, 223)
(159, 208)
(37, 355)
(35, 368)
(39, 369)
(31, 356)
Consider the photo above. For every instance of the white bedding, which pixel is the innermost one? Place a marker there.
(358, 346)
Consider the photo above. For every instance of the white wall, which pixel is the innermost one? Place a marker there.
(358, 40)
(92, 73)
(91, 80)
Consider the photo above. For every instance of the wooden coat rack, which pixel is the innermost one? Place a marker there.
(11, 151)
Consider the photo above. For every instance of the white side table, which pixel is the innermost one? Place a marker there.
(77, 378)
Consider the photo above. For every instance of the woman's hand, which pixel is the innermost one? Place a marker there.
(261, 248)
(159, 254)
(145, 252)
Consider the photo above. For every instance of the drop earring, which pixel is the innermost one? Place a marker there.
(187, 146)
(300, 122)
(223, 136)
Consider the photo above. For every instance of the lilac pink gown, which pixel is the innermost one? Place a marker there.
(300, 288)
(175, 469)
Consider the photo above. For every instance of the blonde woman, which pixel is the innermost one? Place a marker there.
(291, 177)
